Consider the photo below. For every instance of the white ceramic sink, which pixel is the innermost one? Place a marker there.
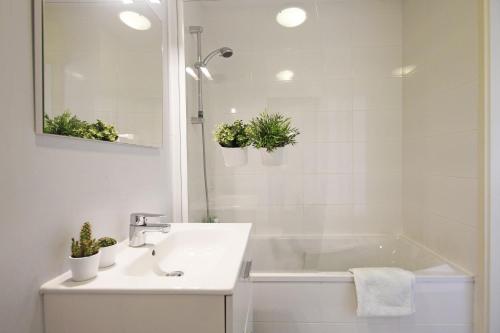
(208, 255)
(198, 252)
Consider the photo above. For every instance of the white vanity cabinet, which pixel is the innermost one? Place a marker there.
(239, 305)
(214, 295)
(149, 313)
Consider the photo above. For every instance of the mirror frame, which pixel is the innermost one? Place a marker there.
(38, 64)
(38, 76)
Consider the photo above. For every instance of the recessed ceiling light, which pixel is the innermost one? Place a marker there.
(154, 1)
(76, 75)
(404, 71)
(291, 17)
(135, 20)
(233, 110)
(128, 2)
(285, 75)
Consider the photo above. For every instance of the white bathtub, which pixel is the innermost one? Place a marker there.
(302, 285)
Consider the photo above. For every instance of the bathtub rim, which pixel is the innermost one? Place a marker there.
(346, 277)
(462, 274)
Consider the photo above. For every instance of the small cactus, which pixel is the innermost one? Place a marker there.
(75, 248)
(86, 232)
(87, 246)
(106, 241)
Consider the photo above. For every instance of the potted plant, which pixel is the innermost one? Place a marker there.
(108, 248)
(69, 125)
(272, 133)
(85, 255)
(233, 140)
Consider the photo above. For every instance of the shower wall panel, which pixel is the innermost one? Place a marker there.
(344, 175)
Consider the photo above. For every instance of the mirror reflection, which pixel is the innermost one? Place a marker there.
(103, 70)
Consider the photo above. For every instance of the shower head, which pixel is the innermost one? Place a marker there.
(224, 52)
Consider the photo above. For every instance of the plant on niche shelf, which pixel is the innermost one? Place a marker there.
(64, 124)
(272, 131)
(100, 131)
(69, 125)
(86, 246)
(233, 139)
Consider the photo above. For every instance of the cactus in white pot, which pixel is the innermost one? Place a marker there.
(108, 248)
(271, 133)
(85, 255)
(233, 140)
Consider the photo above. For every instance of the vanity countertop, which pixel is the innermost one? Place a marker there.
(209, 255)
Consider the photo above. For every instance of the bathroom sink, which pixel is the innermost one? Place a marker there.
(198, 253)
(193, 258)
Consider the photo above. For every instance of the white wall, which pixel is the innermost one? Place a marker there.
(441, 127)
(344, 176)
(49, 186)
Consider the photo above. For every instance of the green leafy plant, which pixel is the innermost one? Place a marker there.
(100, 131)
(232, 135)
(106, 241)
(86, 246)
(272, 131)
(64, 124)
(69, 125)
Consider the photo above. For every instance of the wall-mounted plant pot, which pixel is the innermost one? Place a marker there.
(274, 158)
(108, 255)
(84, 268)
(234, 157)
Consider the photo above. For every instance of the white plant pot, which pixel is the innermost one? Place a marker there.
(84, 268)
(234, 157)
(108, 255)
(277, 157)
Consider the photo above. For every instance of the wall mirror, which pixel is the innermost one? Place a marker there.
(98, 69)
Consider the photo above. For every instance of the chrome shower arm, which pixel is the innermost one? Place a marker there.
(209, 57)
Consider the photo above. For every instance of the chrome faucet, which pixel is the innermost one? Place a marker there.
(140, 223)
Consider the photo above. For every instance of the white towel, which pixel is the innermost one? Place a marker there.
(384, 292)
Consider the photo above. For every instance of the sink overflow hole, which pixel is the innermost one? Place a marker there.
(175, 273)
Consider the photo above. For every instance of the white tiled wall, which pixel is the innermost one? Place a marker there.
(440, 127)
(344, 176)
(377, 153)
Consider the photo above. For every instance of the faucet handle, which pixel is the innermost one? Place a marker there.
(144, 219)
